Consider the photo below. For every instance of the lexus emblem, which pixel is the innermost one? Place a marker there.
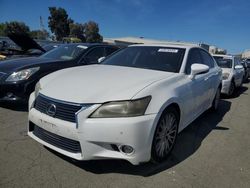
(51, 110)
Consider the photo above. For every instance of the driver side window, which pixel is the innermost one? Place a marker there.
(193, 57)
(94, 55)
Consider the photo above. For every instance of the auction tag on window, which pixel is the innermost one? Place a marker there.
(81, 46)
(168, 50)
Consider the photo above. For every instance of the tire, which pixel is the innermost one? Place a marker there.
(165, 135)
(216, 100)
(231, 89)
(243, 80)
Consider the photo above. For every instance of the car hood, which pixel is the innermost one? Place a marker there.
(25, 42)
(98, 83)
(12, 65)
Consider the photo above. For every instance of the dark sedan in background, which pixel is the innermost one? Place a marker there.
(18, 77)
(22, 45)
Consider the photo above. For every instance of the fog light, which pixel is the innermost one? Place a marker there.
(126, 149)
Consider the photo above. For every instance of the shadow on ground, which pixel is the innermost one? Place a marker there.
(188, 142)
(239, 91)
(16, 106)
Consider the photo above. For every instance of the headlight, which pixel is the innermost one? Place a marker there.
(225, 76)
(22, 75)
(122, 108)
(37, 89)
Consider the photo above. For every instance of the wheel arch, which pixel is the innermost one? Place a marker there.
(171, 103)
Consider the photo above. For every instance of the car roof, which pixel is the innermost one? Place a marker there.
(168, 45)
(222, 55)
(86, 44)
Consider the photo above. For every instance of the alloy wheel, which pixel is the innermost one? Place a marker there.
(165, 135)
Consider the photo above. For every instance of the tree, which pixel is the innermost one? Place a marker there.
(2, 29)
(77, 30)
(92, 32)
(16, 27)
(38, 34)
(59, 22)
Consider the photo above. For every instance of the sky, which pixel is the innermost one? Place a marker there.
(223, 23)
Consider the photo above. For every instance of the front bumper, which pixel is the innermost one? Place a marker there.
(14, 91)
(99, 138)
(225, 86)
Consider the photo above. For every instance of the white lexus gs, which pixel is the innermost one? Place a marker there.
(131, 106)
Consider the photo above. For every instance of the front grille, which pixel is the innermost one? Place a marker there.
(64, 111)
(56, 140)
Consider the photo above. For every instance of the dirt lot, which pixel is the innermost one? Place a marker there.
(214, 151)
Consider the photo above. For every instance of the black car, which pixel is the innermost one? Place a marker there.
(246, 65)
(19, 76)
(23, 46)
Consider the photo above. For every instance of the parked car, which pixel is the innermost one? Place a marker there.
(246, 66)
(232, 72)
(19, 76)
(24, 46)
(131, 106)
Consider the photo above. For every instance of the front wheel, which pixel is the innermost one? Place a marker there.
(165, 135)
(231, 89)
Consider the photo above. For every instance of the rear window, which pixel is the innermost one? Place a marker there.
(145, 57)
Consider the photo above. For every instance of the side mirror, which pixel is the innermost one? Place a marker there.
(101, 59)
(239, 67)
(198, 69)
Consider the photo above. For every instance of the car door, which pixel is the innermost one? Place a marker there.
(213, 74)
(239, 73)
(199, 85)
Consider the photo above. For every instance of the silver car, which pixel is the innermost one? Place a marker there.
(232, 73)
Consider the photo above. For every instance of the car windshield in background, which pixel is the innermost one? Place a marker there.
(223, 63)
(65, 52)
(146, 57)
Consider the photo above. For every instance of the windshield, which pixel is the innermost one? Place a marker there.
(145, 57)
(65, 52)
(223, 62)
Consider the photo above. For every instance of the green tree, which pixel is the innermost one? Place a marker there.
(59, 22)
(16, 27)
(38, 34)
(92, 32)
(77, 30)
(2, 29)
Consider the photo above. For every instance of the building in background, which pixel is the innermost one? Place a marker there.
(246, 54)
(125, 41)
(216, 50)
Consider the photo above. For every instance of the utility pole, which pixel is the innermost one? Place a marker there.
(41, 24)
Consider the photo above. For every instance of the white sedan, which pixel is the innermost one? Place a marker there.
(131, 106)
(232, 73)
